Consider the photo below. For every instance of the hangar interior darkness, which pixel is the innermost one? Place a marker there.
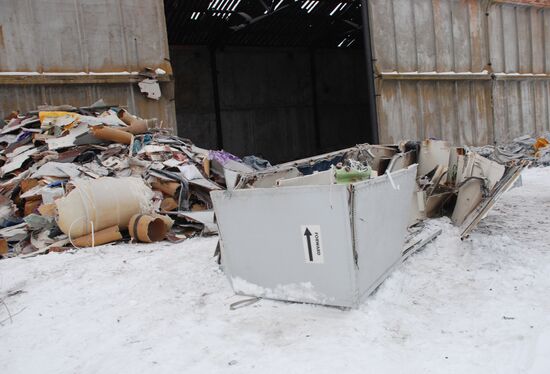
(282, 79)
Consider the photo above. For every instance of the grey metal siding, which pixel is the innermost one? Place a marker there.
(460, 69)
(428, 35)
(456, 110)
(520, 56)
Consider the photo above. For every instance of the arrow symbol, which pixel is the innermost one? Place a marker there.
(307, 234)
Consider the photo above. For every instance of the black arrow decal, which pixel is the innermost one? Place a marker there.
(307, 234)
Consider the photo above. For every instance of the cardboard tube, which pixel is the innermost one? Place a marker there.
(169, 222)
(108, 235)
(111, 134)
(167, 188)
(136, 125)
(147, 229)
(206, 166)
(169, 204)
(101, 203)
(125, 117)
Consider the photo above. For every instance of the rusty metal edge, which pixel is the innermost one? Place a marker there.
(67, 78)
(523, 3)
(514, 77)
(435, 76)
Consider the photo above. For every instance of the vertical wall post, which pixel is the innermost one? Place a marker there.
(373, 135)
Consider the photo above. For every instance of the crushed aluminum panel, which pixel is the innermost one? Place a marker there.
(418, 207)
(263, 249)
(435, 202)
(418, 240)
(268, 178)
(320, 178)
(401, 161)
(433, 153)
(305, 161)
(232, 170)
(470, 194)
(380, 218)
(452, 170)
(206, 217)
(506, 183)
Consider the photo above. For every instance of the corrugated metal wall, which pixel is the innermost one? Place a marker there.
(470, 71)
(77, 51)
(520, 54)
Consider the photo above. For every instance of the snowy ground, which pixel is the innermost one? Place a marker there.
(479, 306)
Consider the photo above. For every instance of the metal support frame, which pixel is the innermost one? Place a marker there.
(373, 135)
(30, 78)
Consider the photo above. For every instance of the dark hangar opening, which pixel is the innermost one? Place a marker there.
(283, 79)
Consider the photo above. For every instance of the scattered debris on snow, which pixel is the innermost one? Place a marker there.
(163, 307)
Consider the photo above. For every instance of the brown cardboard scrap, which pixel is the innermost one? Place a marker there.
(111, 134)
(108, 235)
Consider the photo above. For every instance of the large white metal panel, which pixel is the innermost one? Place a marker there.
(380, 218)
(263, 251)
(361, 229)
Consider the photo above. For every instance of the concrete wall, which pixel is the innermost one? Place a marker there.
(283, 104)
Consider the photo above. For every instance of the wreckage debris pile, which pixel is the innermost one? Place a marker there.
(77, 177)
(535, 150)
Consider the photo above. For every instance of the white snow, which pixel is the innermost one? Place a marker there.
(304, 291)
(477, 306)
